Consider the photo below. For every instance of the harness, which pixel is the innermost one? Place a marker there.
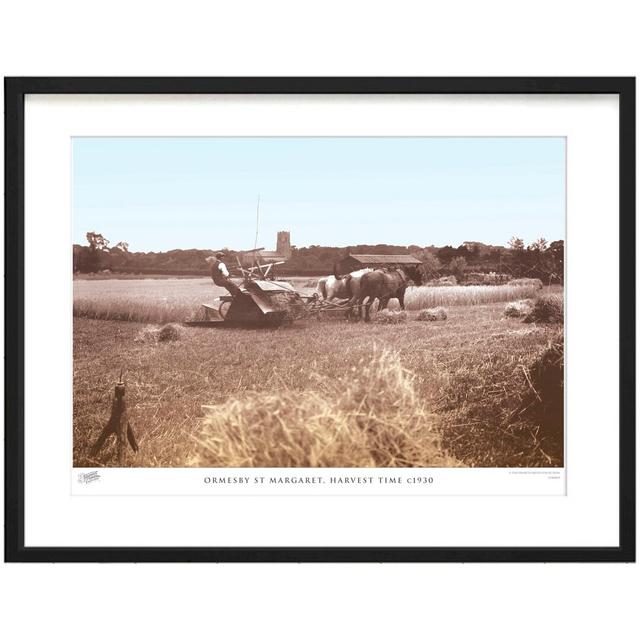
(403, 275)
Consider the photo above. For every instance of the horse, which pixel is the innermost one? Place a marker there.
(342, 287)
(330, 287)
(384, 285)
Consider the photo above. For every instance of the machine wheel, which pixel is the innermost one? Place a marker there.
(224, 308)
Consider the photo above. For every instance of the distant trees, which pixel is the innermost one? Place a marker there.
(446, 254)
(540, 259)
(97, 242)
(431, 265)
(94, 257)
(457, 267)
(547, 260)
(554, 257)
(539, 245)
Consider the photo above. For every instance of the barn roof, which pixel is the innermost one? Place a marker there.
(384, 259)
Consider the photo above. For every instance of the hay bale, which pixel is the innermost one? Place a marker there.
(387, 316)
(548, 308)
(543, 403)
(430, 315)
(169, 333)
(148, 334)
(547, 376)
(152, 334)
(374, 417)
(518, 308)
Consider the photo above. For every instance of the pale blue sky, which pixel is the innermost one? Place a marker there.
(184, 193)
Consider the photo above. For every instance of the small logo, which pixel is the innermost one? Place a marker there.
(87, 478)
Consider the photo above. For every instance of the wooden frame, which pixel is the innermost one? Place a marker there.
(15, 91)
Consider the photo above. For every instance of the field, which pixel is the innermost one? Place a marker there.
(453, 392)
(177, 299)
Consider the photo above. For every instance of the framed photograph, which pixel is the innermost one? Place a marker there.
(320, 319)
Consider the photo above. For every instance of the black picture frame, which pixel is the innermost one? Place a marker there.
(15, 91)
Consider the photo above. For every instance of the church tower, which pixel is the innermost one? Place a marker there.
(283, 247)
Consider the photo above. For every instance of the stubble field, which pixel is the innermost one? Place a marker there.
(318, 393)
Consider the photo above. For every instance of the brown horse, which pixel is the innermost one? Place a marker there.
(385, 285)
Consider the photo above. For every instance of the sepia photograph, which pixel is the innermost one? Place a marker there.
(320, 320)
(302, 302)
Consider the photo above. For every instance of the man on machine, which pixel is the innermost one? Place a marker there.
(220, 274)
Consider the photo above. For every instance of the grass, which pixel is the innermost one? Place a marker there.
(468, 374)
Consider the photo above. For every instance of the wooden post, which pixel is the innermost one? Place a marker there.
(120, 411)
(119, 425)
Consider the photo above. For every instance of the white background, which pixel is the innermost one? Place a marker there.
(586, 516)
(329, 38)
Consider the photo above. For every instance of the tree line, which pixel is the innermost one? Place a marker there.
(540, 259)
